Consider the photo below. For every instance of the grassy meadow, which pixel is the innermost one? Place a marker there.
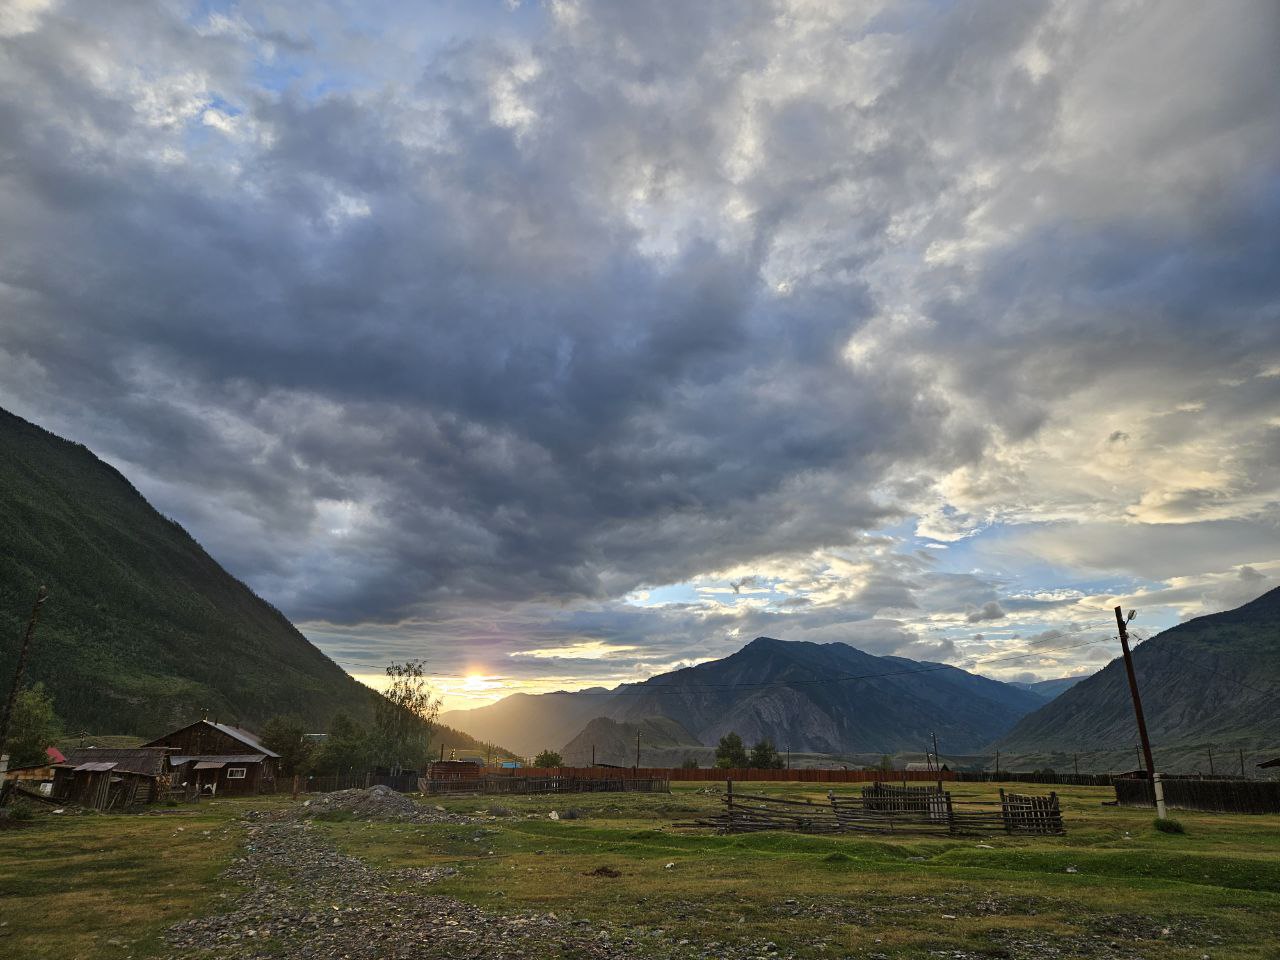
(107, 885)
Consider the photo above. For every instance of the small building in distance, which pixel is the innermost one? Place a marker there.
(36, 776)
(218, 759)
(920, 766)
(111, 778)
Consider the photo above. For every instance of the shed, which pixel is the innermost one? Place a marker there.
(217, 758)
(36, 776)
(453, 770)
(105, 778)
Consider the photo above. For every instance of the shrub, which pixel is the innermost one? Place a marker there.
(548, 758)
(1169, 826)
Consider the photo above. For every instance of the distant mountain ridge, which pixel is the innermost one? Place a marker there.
(143, 630)
(662, 743)
(1212, 679)
(1048, 689)
(782, 691)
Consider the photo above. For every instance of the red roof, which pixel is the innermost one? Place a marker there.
(54, 754)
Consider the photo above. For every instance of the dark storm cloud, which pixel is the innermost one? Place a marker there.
(549, 318)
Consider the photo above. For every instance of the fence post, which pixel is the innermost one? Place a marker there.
(728, 788)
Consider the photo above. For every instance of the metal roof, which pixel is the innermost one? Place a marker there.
(100, 766)
(219, 757)
(147, 761)
(210, 765)
(244, 736)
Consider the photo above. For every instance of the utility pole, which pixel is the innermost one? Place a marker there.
(1211, 759)
(997, 763)
(1157, 788)
(1243, 775)
(937, 760)
(593, 754)
(637, 749)
(1075, 758)
(41, 596)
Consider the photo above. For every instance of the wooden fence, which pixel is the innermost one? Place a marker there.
(1219, 796)
(539, 785)
(795, 775)
(887, 808)
(1009, 776)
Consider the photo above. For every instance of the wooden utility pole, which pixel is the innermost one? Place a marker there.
(937, 760)
(1075, 759)
(1243, 775)
(997, 763)
(637, 749)
(1211, 759)
(1156, 787)
(593, 754)
(41, 596)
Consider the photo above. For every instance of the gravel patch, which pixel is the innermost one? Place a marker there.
(302, 898)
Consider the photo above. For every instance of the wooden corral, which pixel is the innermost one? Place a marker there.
(104, 778)
(210, 758)
(885, 808)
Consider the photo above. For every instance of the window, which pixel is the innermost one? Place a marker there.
(235, 773)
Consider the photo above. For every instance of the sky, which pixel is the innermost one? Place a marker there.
(563, 343)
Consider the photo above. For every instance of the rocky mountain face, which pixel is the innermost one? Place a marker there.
(1214, 679)
(805, 697)
(662, 743)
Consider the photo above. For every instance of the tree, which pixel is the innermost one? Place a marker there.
(288, 737)
(690, 763)
(548, 758)
(730, 752)
(886, 763)
(764, 757)
(347, 747)
(406, 716)
(33, 727)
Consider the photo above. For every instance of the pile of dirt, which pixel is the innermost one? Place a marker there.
(373, 803)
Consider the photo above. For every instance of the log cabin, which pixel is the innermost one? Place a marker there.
(218, 759)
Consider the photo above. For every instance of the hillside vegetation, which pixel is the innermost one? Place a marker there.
(1214, 679)
(143, 630)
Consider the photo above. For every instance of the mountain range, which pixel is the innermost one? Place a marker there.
(807, 697)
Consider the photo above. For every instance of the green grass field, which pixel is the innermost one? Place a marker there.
(106, 886)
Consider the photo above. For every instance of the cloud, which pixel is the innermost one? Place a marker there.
(505, 314)
(989, 611)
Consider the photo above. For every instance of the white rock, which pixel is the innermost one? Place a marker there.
(553, 815)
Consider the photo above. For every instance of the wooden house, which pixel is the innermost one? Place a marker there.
(219, 759)
(107, 778)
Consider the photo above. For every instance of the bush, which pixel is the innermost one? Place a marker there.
(1169, 826)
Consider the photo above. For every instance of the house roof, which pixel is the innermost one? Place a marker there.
(249, 739)
(218, 758)
(54, 754)
(244, 736)
(147, 761)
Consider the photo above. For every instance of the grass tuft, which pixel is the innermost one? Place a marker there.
(1169, 826)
